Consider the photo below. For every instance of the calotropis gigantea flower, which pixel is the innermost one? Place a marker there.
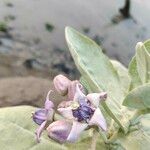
(83, 111)
(43, 115)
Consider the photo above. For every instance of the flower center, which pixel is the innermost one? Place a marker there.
(83, 112)
(75, 105)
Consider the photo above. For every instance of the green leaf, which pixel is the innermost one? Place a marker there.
(139, 67)
(88, 141)
(135, 79)
(138, 98)
(86, 144)
(138, 139)
(123, 74)
(98, 72)
(147, 45)
(85, 84)
(143, 62)
(17, 131)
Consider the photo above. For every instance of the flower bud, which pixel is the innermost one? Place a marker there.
(39, 116)
(61, 84)
(42, 115)
(59, 130)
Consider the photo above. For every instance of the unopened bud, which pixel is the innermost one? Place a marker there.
(61, 84)
(39, 116)
(59, 130)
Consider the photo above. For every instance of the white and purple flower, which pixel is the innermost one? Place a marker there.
(81, 112)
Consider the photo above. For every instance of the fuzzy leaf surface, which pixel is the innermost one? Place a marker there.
(137, 139)
(138, 98)
(98, 72)
(17, 131)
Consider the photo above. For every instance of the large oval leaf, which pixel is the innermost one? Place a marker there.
(138, 98)
(123, 75)
(143, 62)
(147, 45)
(139, 67)
(17, 131)
(98, 71)
(135, 78)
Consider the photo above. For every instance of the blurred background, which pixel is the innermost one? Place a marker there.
(32, 41)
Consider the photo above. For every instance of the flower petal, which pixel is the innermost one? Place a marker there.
(66, 112)
(48, 104)
(50, 115)
(72, 89)
(98, 119)
(79, 95)
(59, 130)
(76, 130)
(40, 130)
(95, 98)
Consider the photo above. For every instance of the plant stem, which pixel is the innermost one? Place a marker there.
(103, 135)
(94, 140)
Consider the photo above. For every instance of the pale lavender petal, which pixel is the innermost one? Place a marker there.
(59, 130)
(76, 131)
(95, 98)
(98, 119)
(66, 112)
(72, 89)
(48, 104)
(50, 115)
(79, 95)
(40, 130)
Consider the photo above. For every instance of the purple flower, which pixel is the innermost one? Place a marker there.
(83, 111)
(43, 115)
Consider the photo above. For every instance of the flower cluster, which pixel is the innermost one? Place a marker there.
(80, 111)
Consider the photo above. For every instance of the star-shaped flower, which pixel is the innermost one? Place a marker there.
(83, 111)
